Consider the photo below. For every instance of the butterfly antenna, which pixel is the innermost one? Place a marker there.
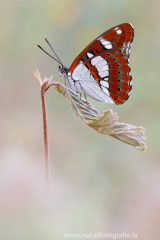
(53, 50)
(49, 54)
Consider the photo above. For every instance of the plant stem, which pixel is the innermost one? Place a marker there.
(45, 134)
(45, 85)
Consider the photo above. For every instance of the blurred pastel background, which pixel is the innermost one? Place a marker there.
(98, 184)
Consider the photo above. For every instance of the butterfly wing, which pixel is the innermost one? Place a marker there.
(102, 68)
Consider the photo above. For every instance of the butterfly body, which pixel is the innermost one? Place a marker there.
(102, 69)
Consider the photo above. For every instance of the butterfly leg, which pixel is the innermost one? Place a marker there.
(86, 99)
(66, 83)
(65, 87)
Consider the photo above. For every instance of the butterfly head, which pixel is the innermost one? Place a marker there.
(63, 71)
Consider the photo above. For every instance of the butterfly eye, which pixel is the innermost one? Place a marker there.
(118, 89)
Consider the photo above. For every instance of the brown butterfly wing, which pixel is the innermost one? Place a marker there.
(107, 59)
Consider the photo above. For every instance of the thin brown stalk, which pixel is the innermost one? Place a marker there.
(43, 86)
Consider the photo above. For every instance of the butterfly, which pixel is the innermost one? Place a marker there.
(102, 70)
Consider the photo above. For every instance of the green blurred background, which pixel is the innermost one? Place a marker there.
(98, 184)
